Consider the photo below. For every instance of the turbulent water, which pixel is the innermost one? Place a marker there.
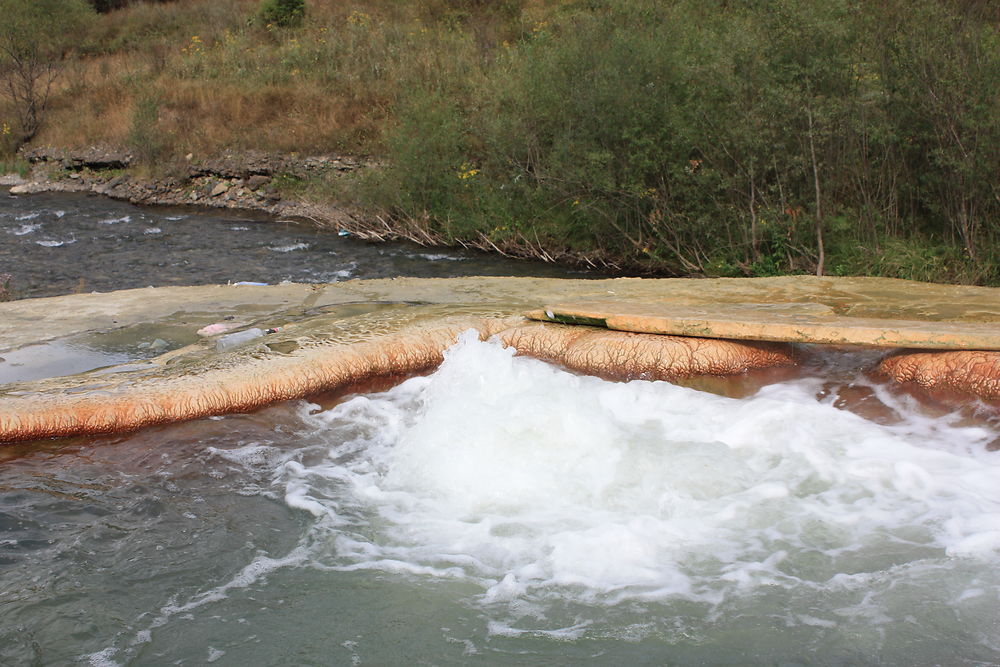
(502, 511)
(55, 244)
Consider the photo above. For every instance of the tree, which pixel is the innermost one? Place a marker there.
(34, 38)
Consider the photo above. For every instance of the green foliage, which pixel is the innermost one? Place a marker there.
(726, 138)
(428, 169)
(282, 13)
(144, 137)
(15, 165)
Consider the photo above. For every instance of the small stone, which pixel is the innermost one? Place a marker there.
(257, 181)
(220, 188)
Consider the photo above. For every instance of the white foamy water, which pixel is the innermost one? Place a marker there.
(27, 229)
(115, 221)
(289, 248)
(52, 243)
(552, 494)
(437, 257)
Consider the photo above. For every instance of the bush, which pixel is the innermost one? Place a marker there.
(723, 138)
(144, 136)
(282, 13)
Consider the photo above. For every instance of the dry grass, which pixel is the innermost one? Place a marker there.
(221, 81)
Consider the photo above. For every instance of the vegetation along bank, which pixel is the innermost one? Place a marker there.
(687, 137)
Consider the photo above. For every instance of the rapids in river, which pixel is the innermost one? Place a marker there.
(503, 511)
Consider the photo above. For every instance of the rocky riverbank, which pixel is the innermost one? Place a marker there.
(233, 180)
(253, 181)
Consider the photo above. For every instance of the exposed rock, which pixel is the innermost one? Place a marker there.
(257, 181)
(87, 158)
(794, 321)
(11, 179)
(252, 192)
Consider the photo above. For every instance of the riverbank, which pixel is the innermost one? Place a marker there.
(246, 181)
(696, 150)
(274, 184)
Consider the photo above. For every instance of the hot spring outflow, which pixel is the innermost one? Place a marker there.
(774, 501)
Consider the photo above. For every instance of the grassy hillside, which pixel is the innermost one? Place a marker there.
(690, 137)
(203, 76)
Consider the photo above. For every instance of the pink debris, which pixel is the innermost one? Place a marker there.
(217, 328)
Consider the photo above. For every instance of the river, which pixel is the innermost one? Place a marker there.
(55, 244)
(539, 517)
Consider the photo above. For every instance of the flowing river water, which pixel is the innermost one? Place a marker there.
(502, 511)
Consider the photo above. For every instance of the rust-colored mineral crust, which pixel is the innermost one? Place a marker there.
(301, 363)
(966, 372)
(341, 334)
(622, 355)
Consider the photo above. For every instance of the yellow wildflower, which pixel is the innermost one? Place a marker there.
(359, 18)
(466, 171)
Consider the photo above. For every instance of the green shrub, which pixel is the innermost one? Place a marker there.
(430, 161)
(282, 13)
(144, 137)
(15, 165)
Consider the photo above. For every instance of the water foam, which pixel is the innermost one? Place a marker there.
(541, 487)
(292, 247)
(27, 229)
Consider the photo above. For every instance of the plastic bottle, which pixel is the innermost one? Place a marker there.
(232, 340)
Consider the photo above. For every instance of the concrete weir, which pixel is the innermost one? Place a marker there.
(327, 337)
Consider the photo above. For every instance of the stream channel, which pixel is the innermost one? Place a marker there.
(537, 517)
